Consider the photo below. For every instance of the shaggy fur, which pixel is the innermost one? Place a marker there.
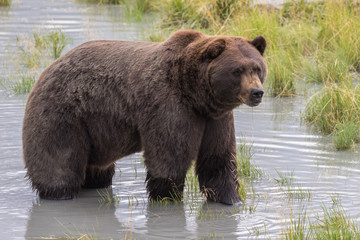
(172, 100)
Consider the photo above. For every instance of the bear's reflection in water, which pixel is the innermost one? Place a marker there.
(74, 218)
(86, 216)
(166, 221)
(178, 221)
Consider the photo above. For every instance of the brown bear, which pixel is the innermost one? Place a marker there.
(173, 100)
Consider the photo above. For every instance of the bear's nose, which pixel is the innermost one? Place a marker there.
(257, 93)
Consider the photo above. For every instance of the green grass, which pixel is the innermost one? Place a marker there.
(192, 195)
(41, 49)
(117, 2)
(326, 67)
(346, 135)
(246, 169)
(313, 42)
(178, 13)
(55, 42)
(281, 77)
(285, 181)
(332, 223)
(332, 105)
(335, 224)
(5, 2)
(298, 229)
(24, 85)
(33, 55)
(135, 9)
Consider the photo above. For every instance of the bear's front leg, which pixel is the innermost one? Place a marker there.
(165, 188)
(171, 142)
(216, 164)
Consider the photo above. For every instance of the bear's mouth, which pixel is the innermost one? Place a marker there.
(254, 103)
(250, 103)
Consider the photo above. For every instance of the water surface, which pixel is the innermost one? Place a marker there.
(280, 142)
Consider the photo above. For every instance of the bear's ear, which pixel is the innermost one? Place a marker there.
(260, 43)
(213, 50)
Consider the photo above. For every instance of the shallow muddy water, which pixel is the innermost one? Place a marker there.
(279, 140)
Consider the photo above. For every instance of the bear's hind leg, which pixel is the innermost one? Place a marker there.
(55, 158)
(99, 178)
(59, 181)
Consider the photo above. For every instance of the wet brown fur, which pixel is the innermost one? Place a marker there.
(172, 100)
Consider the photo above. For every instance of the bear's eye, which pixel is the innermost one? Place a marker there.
(255, 70)
(237, 72)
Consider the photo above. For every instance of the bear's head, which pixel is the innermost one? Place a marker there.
(230, 71)
(235, 70)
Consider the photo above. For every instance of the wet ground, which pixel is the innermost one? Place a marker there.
(280, 143)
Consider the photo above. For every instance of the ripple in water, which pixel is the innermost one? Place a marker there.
(280, 141)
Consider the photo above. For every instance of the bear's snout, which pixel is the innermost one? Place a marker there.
(256, 95)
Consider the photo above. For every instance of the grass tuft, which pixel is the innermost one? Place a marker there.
(24, 85)
(246, 169)
(137, 8)
(335, 224)
(5, 3)
(114, 2)
(32, 56)
(286, 183)
(346, 134)
(332, 105)
(298, 228)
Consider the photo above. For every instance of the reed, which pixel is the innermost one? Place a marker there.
(334, 104)
(332, 223)
(246, 169)
(340, 28)
(137, 8)
(335, 224)
(33, 55)
(114, 2)
(280, 77)
(285, 181)
(178, 13)
(24, 84)
(346, 134)
(299, 228)
(5, 3)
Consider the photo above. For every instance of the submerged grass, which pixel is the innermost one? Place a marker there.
(332, 223)
(335, 224)
(285, 181)
(298, 228)
(246, 169)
